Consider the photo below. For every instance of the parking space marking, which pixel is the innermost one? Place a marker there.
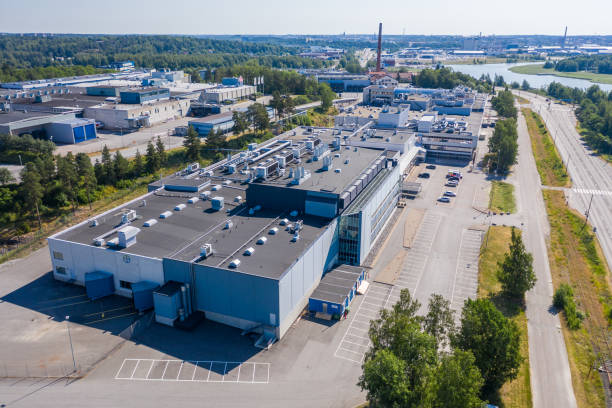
(232, 372)
(465, 282)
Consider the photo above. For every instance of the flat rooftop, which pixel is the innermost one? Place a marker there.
(337, 283)
(181, 235)
(15, 116)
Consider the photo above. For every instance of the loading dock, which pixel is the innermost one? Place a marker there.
(336, 291)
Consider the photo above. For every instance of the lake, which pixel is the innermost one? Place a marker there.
(536, 81)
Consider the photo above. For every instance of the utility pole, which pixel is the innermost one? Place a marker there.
(588, 212)
(71, 348)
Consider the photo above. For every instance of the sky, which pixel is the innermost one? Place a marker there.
(464, 17)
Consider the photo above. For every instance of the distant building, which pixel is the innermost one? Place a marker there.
(394, 117)
(134, 116)
(223, 122)
(343, 82)
(60, 128)
(223, 93)
(144, 95)
(122, 65)
(378, 95)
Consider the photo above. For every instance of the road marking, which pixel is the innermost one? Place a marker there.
(591, 192)
(198, 363)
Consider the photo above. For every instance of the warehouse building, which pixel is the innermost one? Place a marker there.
(343, 82)
(60, 128)
(144, 95)
(223, 93)
(222, 122)
(245, 241)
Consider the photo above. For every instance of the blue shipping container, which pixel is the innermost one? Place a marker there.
(99, 284)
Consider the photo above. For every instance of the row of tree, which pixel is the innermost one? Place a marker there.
(447, 78)
(601, 64)
(428, 361)
(503, 103)
(594, 113)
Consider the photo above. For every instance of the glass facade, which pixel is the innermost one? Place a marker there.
(349, 238)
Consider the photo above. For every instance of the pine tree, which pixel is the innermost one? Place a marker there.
(515, 273)
(161, 151)
(31, 190)
(121, 166)
(107, 165)
(152, 159)
(192, 143)
(138, 164)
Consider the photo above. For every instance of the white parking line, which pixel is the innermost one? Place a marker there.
(263, 378)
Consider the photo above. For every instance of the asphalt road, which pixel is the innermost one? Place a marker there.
(591, 176)
(551, 383)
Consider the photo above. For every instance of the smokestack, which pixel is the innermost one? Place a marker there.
(564, 38)
(379, 46)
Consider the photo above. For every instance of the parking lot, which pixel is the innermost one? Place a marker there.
(194, 371)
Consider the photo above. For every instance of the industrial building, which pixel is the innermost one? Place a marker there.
(121, 116)
(249, 241)
(60, 128)
(343, 82)
(231, 89)
(144, 95)
(394, 117)
(222, 122)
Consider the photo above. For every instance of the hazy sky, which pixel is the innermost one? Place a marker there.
(465, 17)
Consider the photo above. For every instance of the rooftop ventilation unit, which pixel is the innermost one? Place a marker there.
(206, 250)
(238, 199)
(193, 167)
(338, 170)
(249, 251)
(180, 207)
(217, 203)
(234, 263)
(165, 214)
(204, 195)
(228, 224)
(216, 187)
(150, 223)
(128, 216)
(273, 231)
(284, 221)
(99, 242)
(227, 182)
(327, 163)
(293, 213)
(295, 238)
(297, 226)
(262, 240)
(193, 200)
(127, 236)
(94, 223)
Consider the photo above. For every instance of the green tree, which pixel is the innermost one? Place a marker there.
(327, 96)
(161, 152)
(152, 159)
(241, 122)
(138, 164)
(515, 272)
(31, 191)
(503, 103)
(278, 103)
(458, 382)
(87, 175)
(258, 115)
(503, 146)
(525, 85)
(5, 176)
(108, 167)
(68, 177)
(192, 143)
(439, 321)
(384, 377)
(121, 166)
(493, 340)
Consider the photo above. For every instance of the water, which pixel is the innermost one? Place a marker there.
(536, 81)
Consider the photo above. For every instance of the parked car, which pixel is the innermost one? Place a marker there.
(431, 166)
(424, 175)
(452, 184)
(450, 194)
(444, 199)
(453, 178)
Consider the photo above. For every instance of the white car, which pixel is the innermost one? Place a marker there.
(444, 199)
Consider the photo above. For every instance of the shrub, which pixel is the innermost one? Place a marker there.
(564, 300)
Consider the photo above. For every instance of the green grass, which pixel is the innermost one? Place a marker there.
(538, 69)
(470, 61)
(576, 259)
(516, 393)
(550, 166)
(584, 133)
(501, 197)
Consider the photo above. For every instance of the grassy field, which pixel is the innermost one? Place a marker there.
(550, 167)
(472, 61)
(537, 69)
(576, 258)
(516, 393)
(501, 197)
(522, 100)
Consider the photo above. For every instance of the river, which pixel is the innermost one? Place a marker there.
(536, 81)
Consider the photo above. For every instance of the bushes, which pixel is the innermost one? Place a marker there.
(503, 103)
(564, 300)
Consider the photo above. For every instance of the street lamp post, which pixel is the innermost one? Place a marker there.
(70, 340)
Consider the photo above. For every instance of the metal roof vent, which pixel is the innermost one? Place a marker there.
(228, 224)
(234, 263)
(273, 231)
(180, 207)
(99, 242)
(227, 182)
(284, 221)
(204, 195)
(206, 250)
(193, 200)
(216, 187)
(262, 240)
(249, 251)
(338, 170)
(295, 238)
(165, 214)
(238, 199)
(150, 223)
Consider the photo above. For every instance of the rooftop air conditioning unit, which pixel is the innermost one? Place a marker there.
(128, 216)
(206, 250)
(150, 223)
(238, 199)
(249, 251)
(234, 263)
(99, 242)
(165, 214)
(284, 221)
(228, 224)
(262, 240)
(273, 231)
(204, 195)
(193, 200)
(180, 207)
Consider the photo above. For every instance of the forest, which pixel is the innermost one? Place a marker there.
(600, 64)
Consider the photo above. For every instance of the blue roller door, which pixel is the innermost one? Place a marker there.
(79, 134)
(90, 131)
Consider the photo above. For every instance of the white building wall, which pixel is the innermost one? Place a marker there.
(157, 112)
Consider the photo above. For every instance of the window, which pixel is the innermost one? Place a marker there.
(60, 270)
(125, 284)
(58, 255)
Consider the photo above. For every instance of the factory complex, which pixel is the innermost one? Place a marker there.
(249, 241)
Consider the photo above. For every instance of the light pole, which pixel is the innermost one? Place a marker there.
(71, 348)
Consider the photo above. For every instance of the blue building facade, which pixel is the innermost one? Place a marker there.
(139, 96)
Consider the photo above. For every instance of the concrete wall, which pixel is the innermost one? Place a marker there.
(78, 259)
(302, 278)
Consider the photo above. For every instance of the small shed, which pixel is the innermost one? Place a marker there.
(336, 290)
(99, 284)
(142, 294)
(167, 301)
